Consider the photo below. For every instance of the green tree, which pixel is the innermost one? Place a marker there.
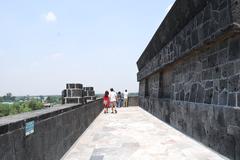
(34, 104)
(53, 99)
(24, 108)
(19, 107)
(9, 98)
(4, 110)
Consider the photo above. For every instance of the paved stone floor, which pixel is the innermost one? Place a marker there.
(134, 134)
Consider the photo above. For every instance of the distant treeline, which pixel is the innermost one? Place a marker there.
(19, 107)
(10, 105)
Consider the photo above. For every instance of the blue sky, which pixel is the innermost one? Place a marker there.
(47, 43)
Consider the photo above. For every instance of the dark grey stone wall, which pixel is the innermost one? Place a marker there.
(213, 125)
(56, 129)
(75, 93)
(133, 101)
(190, 77)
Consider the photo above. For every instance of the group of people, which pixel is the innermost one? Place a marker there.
(112, 100)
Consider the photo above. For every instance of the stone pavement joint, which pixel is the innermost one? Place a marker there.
(133, 134)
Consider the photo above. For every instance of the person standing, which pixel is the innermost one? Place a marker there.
(113, 99)
(125, 95)
(106, 102)
(119, 99)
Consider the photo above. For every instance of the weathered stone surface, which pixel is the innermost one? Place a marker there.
(208, 96)
(193, 93)
(53, 135)
(232, 99)
(233, 84)
(228, 70)
(223, 98)
(200, 94)
(79, 86)
(75, 93)
(234, 49)
(203, 58)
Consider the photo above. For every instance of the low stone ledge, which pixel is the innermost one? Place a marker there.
(13, 122)
(55, 130)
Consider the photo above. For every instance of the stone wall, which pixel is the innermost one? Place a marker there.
(75, 93)
(133, 101)
(190, 79)
(56, 129)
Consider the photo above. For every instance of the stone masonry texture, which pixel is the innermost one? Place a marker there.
(75, 93)
(189, 74)
(56, 129)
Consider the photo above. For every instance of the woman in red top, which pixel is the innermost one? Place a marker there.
(106, 102)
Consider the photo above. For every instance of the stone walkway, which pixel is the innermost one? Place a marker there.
(134, 134)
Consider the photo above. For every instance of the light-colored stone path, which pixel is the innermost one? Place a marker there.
(134, 134)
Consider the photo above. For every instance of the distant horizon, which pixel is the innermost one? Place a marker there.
(52, 95)
(46, 44)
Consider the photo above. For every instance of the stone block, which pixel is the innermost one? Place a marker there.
(208, 96)
(228, 70)
(194, 37)
(209, 84)
(205, 64)
(207, 75)
(215, 98)
(70, 86)
(193, 93)
(79, 86)
(90, 93)
(223, 85)
(234, 49)
(232, 99)
(238, 99)
(187, 95)
(64, 93)
(223, 98)
(216, 73)
(233, 84)
(77, 92)
(212, 60)
(84, 93)
(88, 88)
(237, 67)
(71, 100)
(207, 13)
(224, 18)
(223, 57)
(69, 94)
(200, 94)
(182, 95)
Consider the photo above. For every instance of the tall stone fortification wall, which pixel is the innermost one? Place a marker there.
(189, 74)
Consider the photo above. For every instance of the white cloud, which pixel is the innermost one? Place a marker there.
(56, 56)
(50, 17)
(168, 8)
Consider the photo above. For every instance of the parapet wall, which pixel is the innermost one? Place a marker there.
(55, 130)
(133, 101)
(189, 73)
